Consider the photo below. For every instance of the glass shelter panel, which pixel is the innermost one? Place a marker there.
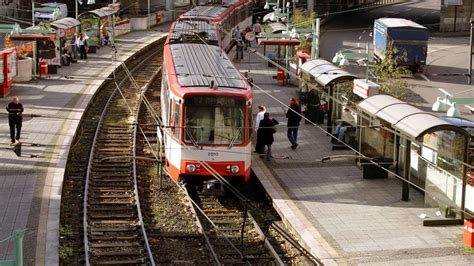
(440, 165)
(376, 140)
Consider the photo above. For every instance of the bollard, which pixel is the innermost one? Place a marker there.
(19, 247)
(468, 233)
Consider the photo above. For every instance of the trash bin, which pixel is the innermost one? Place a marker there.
(375, 171)
(43, 67)
(280, 74)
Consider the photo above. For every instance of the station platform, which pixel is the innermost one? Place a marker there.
(31, 185)
(340, 217)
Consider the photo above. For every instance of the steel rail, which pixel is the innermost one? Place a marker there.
(91, 156)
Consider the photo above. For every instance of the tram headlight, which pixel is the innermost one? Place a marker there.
(191, 168)
(235, 169)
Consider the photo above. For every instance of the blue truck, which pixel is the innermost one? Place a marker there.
(408, 39)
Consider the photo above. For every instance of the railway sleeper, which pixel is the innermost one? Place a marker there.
(102, 208)
(117, 230)
(108, 190)
(139, 261)
(107, 169)
(107, 183)
(128, 201)
(112, 215)
(115, 244)
(113, 236)
(112, 195)
(117, 251)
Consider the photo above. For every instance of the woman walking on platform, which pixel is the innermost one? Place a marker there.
(83, 46)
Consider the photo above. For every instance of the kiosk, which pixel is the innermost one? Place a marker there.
(8, 70)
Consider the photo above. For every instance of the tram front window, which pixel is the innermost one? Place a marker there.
(214, 120)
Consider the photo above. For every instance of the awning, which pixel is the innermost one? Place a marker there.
(65, 23)
(404, 117)
(101, 12)
(325, 72)
(273, 41)
(32, 37)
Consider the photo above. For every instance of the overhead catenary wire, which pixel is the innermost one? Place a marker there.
(156, 157)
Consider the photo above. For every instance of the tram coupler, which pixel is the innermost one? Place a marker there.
(213, 188)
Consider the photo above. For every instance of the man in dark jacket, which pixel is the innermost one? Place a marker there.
(294, 117)
(265, 133)
(15, 110)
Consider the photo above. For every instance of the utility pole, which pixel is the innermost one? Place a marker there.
(148, 16)
(33, 12)
(471, 43)
(315, 44)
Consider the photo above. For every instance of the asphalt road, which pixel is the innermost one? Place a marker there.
(448, 56)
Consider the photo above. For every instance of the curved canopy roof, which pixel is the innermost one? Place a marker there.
(65, 23)
(404, 117)
(101, 12)
(325, 72)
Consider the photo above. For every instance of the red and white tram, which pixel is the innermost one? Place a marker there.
(227, 16)
(207, 106)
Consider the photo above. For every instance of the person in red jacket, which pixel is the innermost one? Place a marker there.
(15, 111)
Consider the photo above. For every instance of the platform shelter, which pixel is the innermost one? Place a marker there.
(331, 82)
(427, 151)
(97, 24)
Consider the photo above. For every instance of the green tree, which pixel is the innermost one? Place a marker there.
(389, 75)
(302, 19)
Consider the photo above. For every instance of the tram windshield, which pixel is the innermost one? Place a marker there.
(214, 120)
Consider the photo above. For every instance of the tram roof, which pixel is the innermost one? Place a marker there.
(206, 11)
(325, 72)
(404, 117)
(197, 29)
(197, 65)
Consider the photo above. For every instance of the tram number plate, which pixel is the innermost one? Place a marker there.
(213, 153)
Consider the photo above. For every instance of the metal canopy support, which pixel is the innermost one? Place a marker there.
(406, 172)
(315, 44)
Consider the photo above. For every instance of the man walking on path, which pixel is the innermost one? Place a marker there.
(294, 117)
(257, 28)
(15, 111)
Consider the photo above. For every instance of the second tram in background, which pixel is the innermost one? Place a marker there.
(206, 103)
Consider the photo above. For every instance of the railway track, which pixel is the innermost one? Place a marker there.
(114, 232)
(232, 235)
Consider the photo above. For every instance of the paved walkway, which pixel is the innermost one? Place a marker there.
(339, 216)
(30, 185)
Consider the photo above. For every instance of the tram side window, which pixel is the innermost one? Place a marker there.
(249, 121)
(176, 120)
